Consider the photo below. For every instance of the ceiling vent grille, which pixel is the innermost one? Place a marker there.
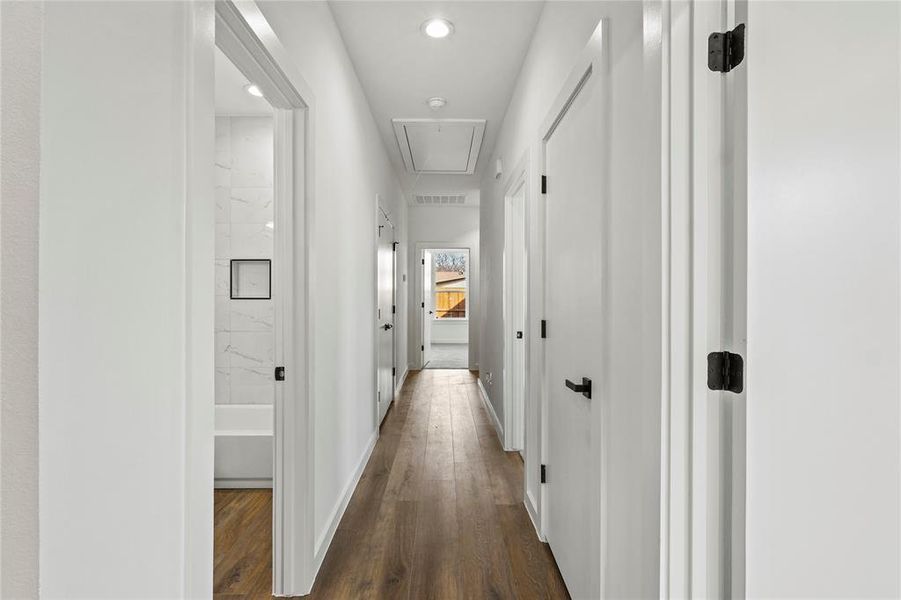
(441, 199)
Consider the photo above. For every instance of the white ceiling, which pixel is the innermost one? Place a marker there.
(231, 97)
(475, 69)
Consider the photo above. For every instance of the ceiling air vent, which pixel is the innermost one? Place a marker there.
(441, 199)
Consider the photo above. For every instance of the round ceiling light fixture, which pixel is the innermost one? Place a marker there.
(438, 28)
(436, 103)
(253, 90)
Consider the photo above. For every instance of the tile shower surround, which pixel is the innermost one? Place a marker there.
(245, 339)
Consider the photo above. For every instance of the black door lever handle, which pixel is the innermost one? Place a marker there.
(584, 388)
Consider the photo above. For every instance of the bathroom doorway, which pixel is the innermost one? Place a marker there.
(262, 430)
(244, 331)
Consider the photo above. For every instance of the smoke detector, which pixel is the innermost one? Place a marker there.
(436, 103)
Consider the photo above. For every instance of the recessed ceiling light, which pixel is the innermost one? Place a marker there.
(438, 28)
(436, 103)
(253, 90)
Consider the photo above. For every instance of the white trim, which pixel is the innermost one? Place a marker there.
(241, 484)
(245, 36)
(532, 511)
(199, 301)
(401, 381)
(325, 539)
(498, 428)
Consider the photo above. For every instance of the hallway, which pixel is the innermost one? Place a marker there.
(437, 513)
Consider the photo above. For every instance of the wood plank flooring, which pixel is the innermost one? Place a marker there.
(437, 514)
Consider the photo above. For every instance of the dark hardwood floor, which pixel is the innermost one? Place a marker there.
(437, 514)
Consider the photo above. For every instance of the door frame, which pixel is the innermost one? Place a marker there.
(515, 415)
(689, 522)
(380, 210)
(592, 59)
(244, 35)
(418, 249)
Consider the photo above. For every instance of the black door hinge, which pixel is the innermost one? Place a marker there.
(543, 328)
(544, 184)
(725, 371)
(423, 261)
(394, 246)
(393, 371)
(423, 304)
(279, 373)
(422, 348)
(543, 473)
(726, 50)
(393, 309)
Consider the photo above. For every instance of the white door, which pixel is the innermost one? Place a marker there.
(574, 289)
(385, 323)
(823, 300)
(515, 308)
(427, 304)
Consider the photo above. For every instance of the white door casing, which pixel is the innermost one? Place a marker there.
(575, 163)
(718, 312)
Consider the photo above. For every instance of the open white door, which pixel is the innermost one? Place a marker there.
(385, 315)
(515, 293)
(823, 300)
(428, 304)
(575, 162)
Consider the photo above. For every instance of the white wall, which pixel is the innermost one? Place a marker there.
(245, 335)
(634, 414)
(20, 64)
(351, 167)
(450, 331)
(121, 303)
(452, 227)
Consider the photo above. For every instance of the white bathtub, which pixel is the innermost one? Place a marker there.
(243, 448)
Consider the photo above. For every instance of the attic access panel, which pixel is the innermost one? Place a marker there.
(440, 146)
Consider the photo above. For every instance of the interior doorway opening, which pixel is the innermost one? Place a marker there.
(445, 308)
(262, 303)
(245, 329)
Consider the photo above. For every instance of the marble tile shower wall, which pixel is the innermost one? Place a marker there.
(245, 340)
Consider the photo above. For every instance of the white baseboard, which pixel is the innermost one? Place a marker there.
(325, 539)
(498, 428)
(227, 484)
(532, 509)
(403, 379)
